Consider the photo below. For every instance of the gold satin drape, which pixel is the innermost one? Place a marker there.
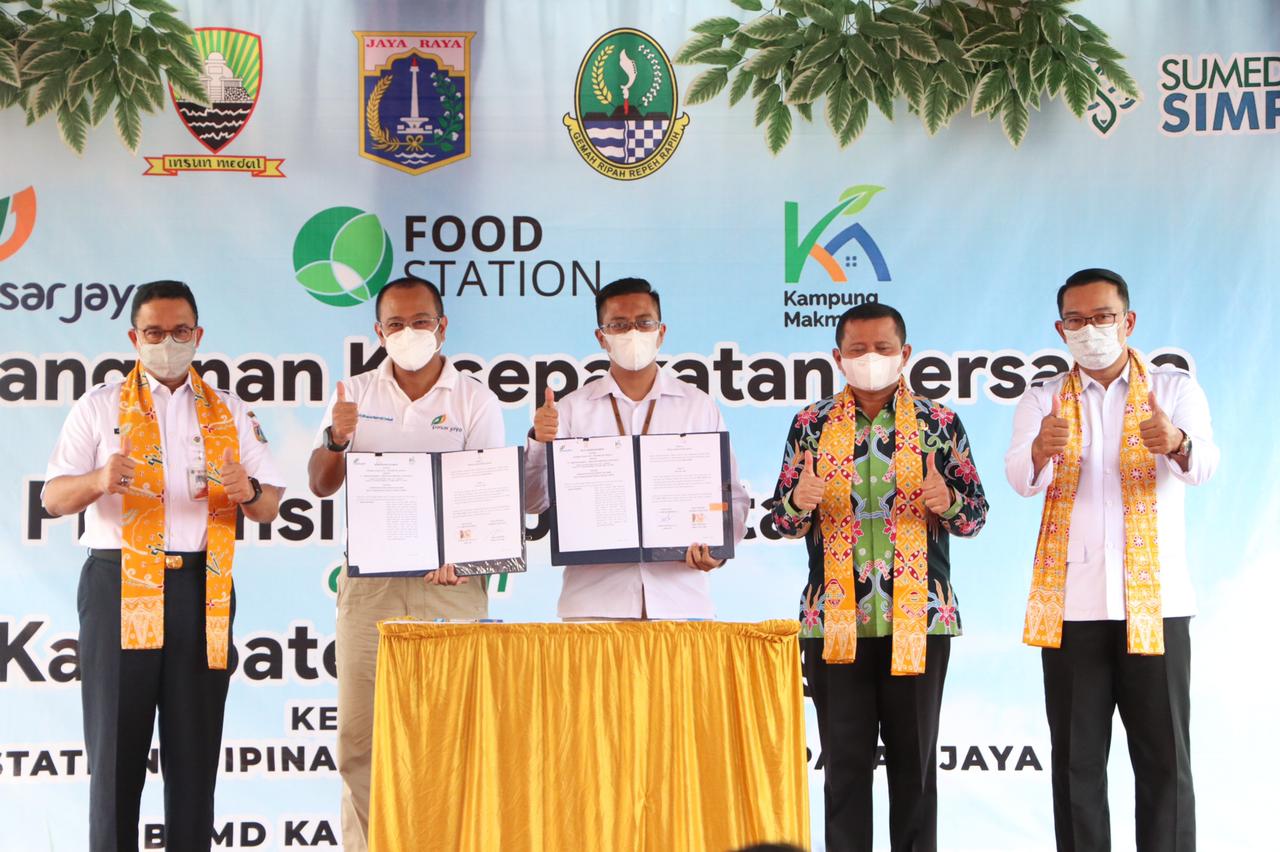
(647, 735)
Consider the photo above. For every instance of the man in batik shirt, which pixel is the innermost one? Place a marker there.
(876, 480)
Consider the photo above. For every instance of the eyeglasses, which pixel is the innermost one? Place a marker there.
(1106, 320)
(423, 323)
(623, 326)
(152, 334)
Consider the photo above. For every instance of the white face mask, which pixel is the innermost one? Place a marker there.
(633, 350)
(871, 372)
(411, 349)
(167, 360)
(1094, 348)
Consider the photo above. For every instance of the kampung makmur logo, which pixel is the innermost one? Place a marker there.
(342, 256)
(853, 200)
(17, 221)
(415, 96)
(626, 97)
(231, 75)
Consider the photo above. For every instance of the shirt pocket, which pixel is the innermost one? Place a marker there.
(1076, 552)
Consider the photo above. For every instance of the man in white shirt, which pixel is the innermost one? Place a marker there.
(1110, 443)
(415, 400)
(151, 460)
(635, 397)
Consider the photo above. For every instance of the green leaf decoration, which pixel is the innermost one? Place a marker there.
(133, 62)
(152, 6)
(103, 97)
(839, 102)
(689, 51)
(857, 122)
(771, 97)
(771, 27)
(9, 68)
(910, 83)
(707, 85)
(769, 61)
(918, 44)
(778, 132)
(128, 124)
(1079, 89)
(168, 23)
(59, 60)
(823, 17)
(741, 82)
(720, 56)
(1119, 78)
(749, 5)
(122, 30)
(1014, 117)
(991, 91)
(74, 8)
(722, 26)
(953, 79)
(73, 126)
(48, 93)
(935, 107)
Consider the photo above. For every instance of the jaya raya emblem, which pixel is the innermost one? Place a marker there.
(415, 95)
(626, 97)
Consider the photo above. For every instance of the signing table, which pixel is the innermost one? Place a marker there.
(645, 735)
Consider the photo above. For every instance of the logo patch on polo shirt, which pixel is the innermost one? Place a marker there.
(257, 429)
(441, 422)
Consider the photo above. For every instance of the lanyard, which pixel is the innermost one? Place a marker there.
(617, 416)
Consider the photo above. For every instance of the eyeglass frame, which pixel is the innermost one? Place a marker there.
(432, 318)
(629, 325)
(1093, 320)
(166, 333)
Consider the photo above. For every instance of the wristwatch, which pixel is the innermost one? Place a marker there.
(332, 445)
(1184, 448)
(257, 491)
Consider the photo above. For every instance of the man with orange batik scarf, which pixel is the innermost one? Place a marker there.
(160, 462)
(1112, 444)
(876, 480)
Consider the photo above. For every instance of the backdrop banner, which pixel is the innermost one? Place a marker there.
(523, 155)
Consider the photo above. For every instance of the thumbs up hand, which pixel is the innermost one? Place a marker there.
(1054, 433)
(116, 476)
(937, 493)
(807, 493)
(345, 413)
(546, 421)
(235, 480)
(1159, 435)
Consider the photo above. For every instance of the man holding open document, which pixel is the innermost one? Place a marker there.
(414, 403)
(648, 489)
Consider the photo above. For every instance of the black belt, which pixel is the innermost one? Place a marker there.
(172, 559)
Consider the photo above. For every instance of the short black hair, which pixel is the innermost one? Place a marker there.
(408, 281)
(871, 311)
(163, 289)
(625, 287)
(1093, 275)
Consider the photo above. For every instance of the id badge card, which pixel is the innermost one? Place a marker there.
(197, 474)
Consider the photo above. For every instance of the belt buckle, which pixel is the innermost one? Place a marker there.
(172, 561)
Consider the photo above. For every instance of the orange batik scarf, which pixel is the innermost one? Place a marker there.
(142, 562)
(836, 451)
(1145, 627)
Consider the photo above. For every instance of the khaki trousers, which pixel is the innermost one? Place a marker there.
(362, 603)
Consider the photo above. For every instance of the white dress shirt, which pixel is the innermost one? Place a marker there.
(91, 436)
(652, 589)
(458, 413)
(1095, 546)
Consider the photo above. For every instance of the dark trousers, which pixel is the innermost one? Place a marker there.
(859, 704)
(1085, 680)
(122, 692)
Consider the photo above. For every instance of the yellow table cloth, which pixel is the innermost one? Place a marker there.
(646, 735)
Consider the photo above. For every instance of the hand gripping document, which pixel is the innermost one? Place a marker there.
(410, 513)
(639, 498)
